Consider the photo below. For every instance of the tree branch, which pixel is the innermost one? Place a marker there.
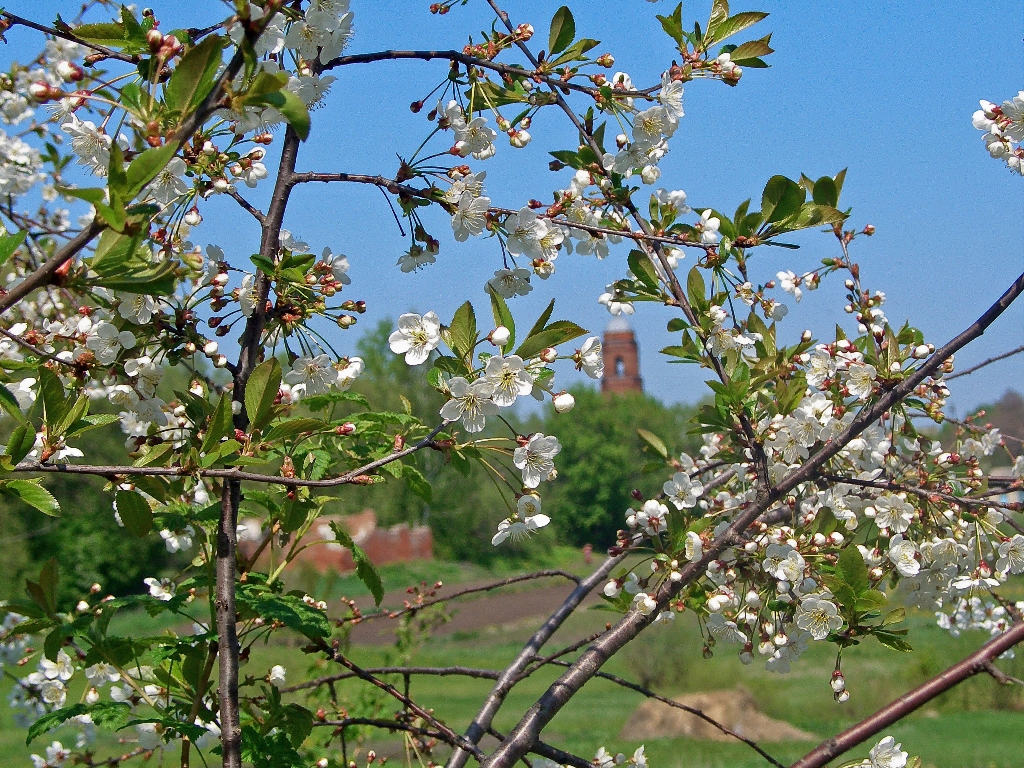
(982, 364)
(528, 730)
(974, 664)
(677, 705)
(228, 474)
(474, 590)
(511, 674)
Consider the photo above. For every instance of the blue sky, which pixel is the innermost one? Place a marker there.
(884, 89)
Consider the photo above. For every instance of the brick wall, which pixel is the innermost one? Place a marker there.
(397, 544)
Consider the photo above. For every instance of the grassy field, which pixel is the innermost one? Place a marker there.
(979, 725)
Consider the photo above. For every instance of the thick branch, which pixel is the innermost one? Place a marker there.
(511, 674)
(44, 275)
(974, 664)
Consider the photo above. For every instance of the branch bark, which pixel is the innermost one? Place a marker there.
(511, 674)
(976, 663)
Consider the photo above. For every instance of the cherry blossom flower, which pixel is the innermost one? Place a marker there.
(683, 491)
(470, 403)
(591, 358)
(535, 459)
(818, 616)
(508, 378)
(902, 554)
(469, 218)
(106, 342)
(509, 283)
(887, 754)
(416, 337)
(311, 375)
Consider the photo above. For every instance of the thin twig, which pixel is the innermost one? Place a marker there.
(484, 674)
(229, 474)
(678, 705)
(982, 364)
(473, 590)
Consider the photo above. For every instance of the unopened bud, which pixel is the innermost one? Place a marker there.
(499, 336)
(563, 402)
(548, 355)
(193, 217)
(154, 39)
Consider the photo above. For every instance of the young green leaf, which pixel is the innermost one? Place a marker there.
(260, 392)
(32, 494)
(654, 441)
(364, 568)
(853, 570)
(563, 30)
(194, 76)
(134, 512)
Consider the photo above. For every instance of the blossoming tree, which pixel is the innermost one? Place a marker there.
(816, 511)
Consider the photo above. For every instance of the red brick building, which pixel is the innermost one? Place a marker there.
(621, 358)
(397, 544)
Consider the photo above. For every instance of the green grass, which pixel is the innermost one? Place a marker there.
(977, 725)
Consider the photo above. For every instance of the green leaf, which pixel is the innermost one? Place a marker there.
(826, 192)
(291, 108)
(108, 714)
(418, 484)
(52, 393)
(782, 197)
(290, 610)
(10, 404)
(543, 319)
(751, 51)
(194, 76)
(44, 591)
(20, 442)
(144, 168)
(654, 441)
(463, 330)
(870, 600)
(894, 616)
(32, 494)
(695, 288)
(563, 30)
(556, 333)
(260, 392)
(220, 424)
(890, 640)
(853, 570)
(364, 568)
(734, 24)
(104, 34)
(640, 265)
(503, 316)
(9, 244)
(76, 412)
(673, 24)
(293, 427)
(134, 512)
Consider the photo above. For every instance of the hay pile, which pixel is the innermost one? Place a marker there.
(735, 709)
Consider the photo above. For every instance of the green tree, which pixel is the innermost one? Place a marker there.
(602, 459)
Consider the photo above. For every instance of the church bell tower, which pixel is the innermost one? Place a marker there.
(621, 358)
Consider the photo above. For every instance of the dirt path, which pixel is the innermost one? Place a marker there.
(506, 606)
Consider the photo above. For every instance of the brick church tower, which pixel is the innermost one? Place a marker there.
(621, 358)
